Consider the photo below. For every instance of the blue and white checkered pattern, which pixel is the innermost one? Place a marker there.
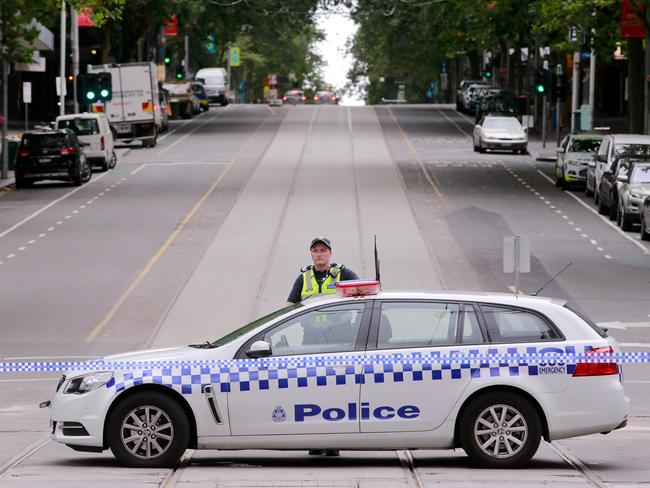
(189, 376)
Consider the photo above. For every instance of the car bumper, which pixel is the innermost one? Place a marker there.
(591, 405)
(88, 409)
(492, 144)
(575, 174)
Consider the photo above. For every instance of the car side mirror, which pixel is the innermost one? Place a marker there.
(602, 158)
(591, 164)
(259, 349)
(622, 179)
(560, 150)
(607, 173)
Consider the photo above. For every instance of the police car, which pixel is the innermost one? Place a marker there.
(364, 370)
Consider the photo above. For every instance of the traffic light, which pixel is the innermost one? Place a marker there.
(488, 71)
(180, 72)
(105, 86)
(558, 88)
(87, 88)
(168, 56)
(540, 82)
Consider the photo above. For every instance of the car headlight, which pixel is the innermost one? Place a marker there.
(88, 382)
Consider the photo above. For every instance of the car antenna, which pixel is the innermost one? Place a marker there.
(549, 281)
(377, 274)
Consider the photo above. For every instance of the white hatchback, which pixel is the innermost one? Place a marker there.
(94, 130)
(360, 371)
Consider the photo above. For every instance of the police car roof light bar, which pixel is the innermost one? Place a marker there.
(357, 288)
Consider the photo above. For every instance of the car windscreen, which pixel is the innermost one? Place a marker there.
(212, 80)
(632, 149)
(294, 93)
(640, 174)
(253, 325)
(585, 145)
(511, 124)
(42, 141)
(81, 127)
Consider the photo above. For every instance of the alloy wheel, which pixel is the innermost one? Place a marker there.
(500, 431)
(147, 432)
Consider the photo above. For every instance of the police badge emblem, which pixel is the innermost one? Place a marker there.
(279, 415)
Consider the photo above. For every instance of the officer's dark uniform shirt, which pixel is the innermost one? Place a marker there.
(296, 290)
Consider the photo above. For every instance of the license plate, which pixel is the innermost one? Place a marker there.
(44, 160)
(123, 128)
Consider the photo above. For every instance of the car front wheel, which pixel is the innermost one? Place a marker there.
(500, 430)
(645, 232)
(148, 430)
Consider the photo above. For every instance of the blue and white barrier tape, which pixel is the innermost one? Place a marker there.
(283, 363)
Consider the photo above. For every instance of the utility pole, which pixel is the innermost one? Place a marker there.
(4, 173)
(62, 62)
(74, 35)
(228, 54)
(545, 102)
(558, 85)
(574, 90)
(186, 59)
(592, 87)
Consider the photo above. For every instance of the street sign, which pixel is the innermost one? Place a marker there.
(59, 85)
(27, 92)
(234, 56)
(170, 26)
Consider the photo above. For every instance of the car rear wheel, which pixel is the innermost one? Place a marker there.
(148, 430)
(613, 209)
(500, 430)
(602, 208)
(624, 219)
(21, 182)
(113, 161)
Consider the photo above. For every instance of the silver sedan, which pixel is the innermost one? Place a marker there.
(503, 133)
(633, 190)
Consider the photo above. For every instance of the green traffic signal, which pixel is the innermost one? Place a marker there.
(90, 95)
(179, 76)
(167, 60)
(540, 88)
(488, 74)
(104, 93)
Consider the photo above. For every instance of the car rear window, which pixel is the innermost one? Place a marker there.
(81, 127)
(39, 141)
(501, 124)
(516, 325)
(599, 330)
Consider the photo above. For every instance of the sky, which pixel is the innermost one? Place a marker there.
(338, 28)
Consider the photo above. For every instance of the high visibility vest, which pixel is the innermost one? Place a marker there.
(310, 286)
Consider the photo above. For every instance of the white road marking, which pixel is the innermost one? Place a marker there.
(584, 235)
(22, 248)
(138, 169)
(638, 244)
(59, 222)
(75, 211)
(217, 115)
(66, 217)
(594, 242)
(600, 249)
(455, 124)
(50, 229)
(32, 241)
(41, 235)
(578, 229)
(49, 205)
(11, 256)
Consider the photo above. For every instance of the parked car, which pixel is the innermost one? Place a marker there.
(468, 91)
(53, 154)
(199, 92)
(644, 219)
(460, 92)
(296, 97)
(574, 155)
(94, 130)
(611, 183)
(497, 132)
(495, 102)
(612, 147)
(325, 97)
(634, 181)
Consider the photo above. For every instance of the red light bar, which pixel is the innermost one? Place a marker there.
(357, 288)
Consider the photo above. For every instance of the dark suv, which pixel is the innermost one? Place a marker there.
(51, 155)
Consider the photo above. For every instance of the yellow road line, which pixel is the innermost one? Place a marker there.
(434, 187)
(152, 262)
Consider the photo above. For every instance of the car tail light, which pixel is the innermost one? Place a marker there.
(333, 98)
(316, 98)
(285, 98)
(596, 369)
(303, 98)
(67, 151)
(101, 142)
(23, 152)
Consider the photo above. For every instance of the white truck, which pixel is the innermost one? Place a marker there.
(216, 83)
(133, 110)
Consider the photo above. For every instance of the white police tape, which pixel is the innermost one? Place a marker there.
(501, 359)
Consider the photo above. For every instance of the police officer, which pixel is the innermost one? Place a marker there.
(321, 277)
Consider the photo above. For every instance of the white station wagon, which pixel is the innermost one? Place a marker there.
(364, 370)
